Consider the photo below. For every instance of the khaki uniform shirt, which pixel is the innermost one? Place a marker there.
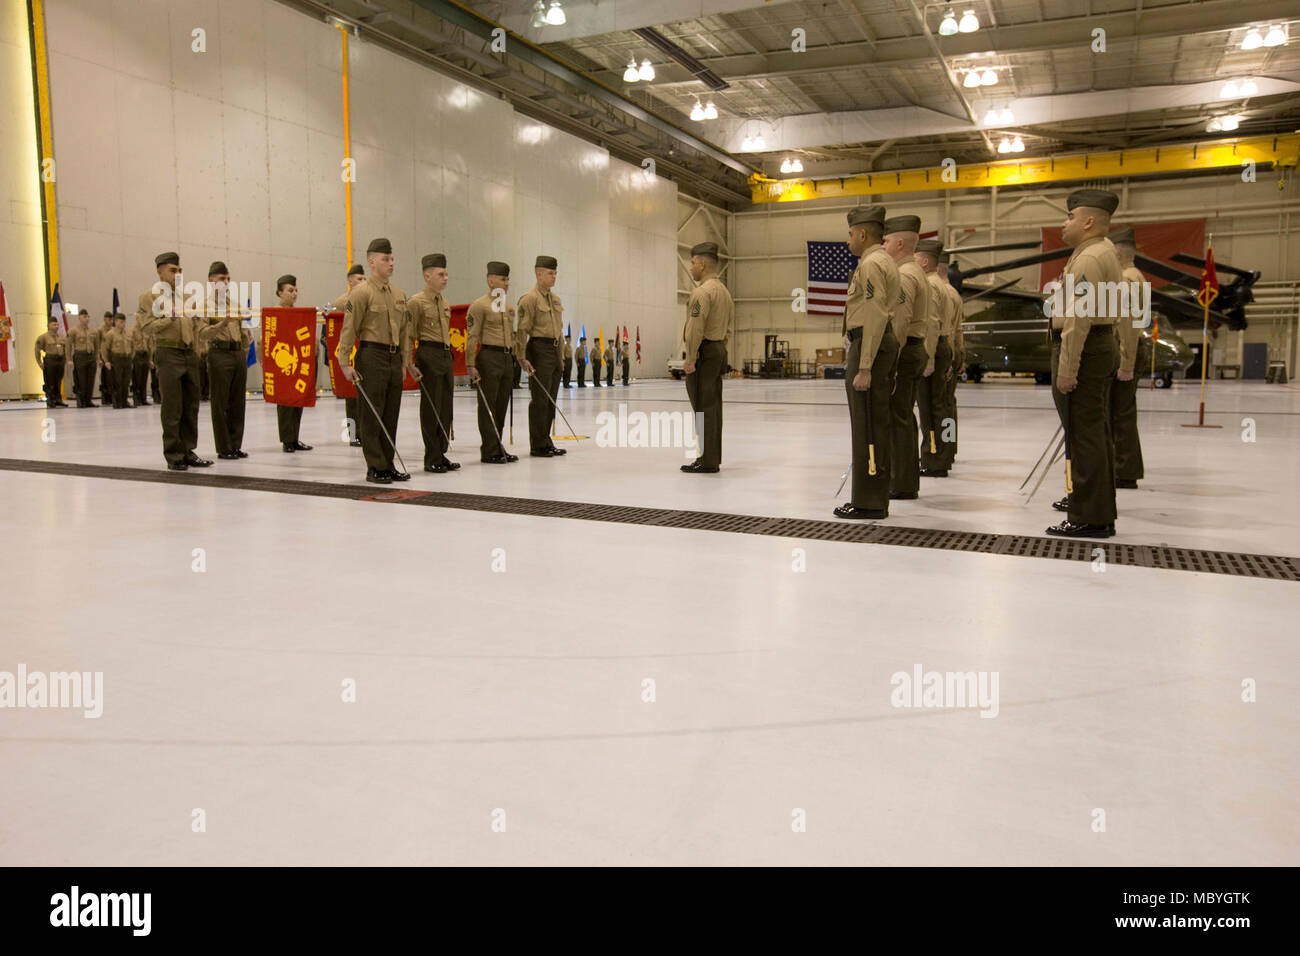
(710, 314)
(597, 355)
(375, 312)
(958, 327)
(541, 316)
(913, 312)
(227, 327)
(873, 288)
(174, 330)
(1094, 260)
(484, 325)
(338, 304)
(568, 351)
(580, 355)
(117, 343)
(1125, 332)
(140, 341)
(83, 340)
(940, 305)
(430, 316)
(622, 355)
(53, 345)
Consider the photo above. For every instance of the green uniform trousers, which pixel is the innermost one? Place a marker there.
(139, 377)
(178, 381)
(582, 375)
(543, 380)
(83, 373)
(53, 368)
(381, 380)
(595, 374)
(1085, 413)
(1124, 430)
(435, 364)
(905, 458)
(496, 378)
(228, 380)
(120, 377)
(870, 422)
(704, 389)
(936, 417)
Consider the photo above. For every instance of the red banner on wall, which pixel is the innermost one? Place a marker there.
(289, 356)
(1159, 240)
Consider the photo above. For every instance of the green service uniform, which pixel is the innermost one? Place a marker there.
(568, 364)
(627, 363)
(540, 335)
(932, 394)
(106, 378)
(430, 315)
(873, 289)
(52, 357)
(117, 352)
(227, 363)
(710, 314)
(84, 344)
(1084, 347)
(580, 355)
(375, 320)
(489, 347)
(1123, 395)
(140, 364)
(916, 352)
(175, 340)
(958, 344)
(595, 365)
(609, 366)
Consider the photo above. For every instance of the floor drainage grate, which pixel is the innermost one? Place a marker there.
(1274, 567)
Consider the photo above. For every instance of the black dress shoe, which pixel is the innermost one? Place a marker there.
(903, 495)
(848, 511)
(438, 469)
(1063, 504)
(355, 443)
(493, 459)
(510, 457)
(194, 461)
(62, 405)
(227, 456)
(695, 468)
(177, 466)
(396, 475)
(92, 405)
(934, 474)
(542, 453)
(301, 446)
(450, 465)
(378, 477)
(559, 451)
(1126, 483)
(288, 446)
(240, 453)
(1068, 529)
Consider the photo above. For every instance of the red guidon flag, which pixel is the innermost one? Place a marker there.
(8, 358)
(459, 328)
(289, 356)
(341, 387)
(1209, 290)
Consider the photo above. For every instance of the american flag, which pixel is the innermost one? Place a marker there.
(829, 266)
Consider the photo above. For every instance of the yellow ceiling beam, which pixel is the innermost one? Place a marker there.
(1229, 153)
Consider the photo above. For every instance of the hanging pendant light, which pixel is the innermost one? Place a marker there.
(555, 16)
(647, 72)
(710, 111)
(969, 22)
(949, 25)
(630, 75)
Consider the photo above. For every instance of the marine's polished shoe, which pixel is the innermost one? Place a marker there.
(378, 477)
(240, 453)
(510, 457)
(1068, 529)
(177, 466)
(296, 446)
(1063, 504)
(559, 451)
(355, 443)
(695, 468)
(227, 456)
(1126, 483)
(934, 474)
(494, 459)
(450, 465)
(194, 461)
(848, 511)
(396, 475)
(438, 469)
(543, 453)
(903, 495)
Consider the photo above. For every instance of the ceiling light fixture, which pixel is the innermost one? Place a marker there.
(1214, 125)
(1008, 117)
(1004, 146)
(989, 78)
(710, 111)
(991, 117)
(796, 165)
(1276, 36)
(697, 112)
(1229, 123)
(949, 25)
(969, 22)
(1252, 40)
(1017, 145)
(539, 15)
(1229, 91)
(785, 165)
(647, 72)
(555, 16)
(630, 75)
(972, 80)
(1248, 88)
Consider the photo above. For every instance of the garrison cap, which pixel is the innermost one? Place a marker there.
(166, 259)
(865, 214)
(499, 269)
(434, 260)
(218, 268)
(382, 246)
(931, 247)
(705, 249)
(902, 224)
(1095, 198)
(357, 270)
(108, 314)
(1123, 235)
(944, 257)
(285, 280)
(546, 262)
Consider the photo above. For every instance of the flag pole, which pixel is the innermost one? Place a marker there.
(1205, 357)
(1155, 343)
(1207, 293)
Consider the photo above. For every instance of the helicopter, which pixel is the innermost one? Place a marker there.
(1006, 329)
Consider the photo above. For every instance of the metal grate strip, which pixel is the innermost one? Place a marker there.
(1273, 567)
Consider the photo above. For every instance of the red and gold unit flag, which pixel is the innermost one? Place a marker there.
(289, 356)
(341, 387)
(1209, 290)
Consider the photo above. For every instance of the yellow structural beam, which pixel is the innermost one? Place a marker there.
(1219, 154)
